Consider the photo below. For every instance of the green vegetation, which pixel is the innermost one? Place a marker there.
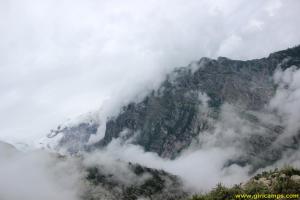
(284, 181)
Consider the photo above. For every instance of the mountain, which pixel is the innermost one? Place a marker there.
(192, 103)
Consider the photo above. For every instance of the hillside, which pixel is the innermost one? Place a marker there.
(274, 184)
(199, 100)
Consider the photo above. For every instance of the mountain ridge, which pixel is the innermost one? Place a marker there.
(172, 117)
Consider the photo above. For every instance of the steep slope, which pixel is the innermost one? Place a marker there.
(168, 119)
(191, 102)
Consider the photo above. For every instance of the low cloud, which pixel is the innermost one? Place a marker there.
(286, 101)
(200, 170)
(229, 138)
(63, 58)
(37, 175)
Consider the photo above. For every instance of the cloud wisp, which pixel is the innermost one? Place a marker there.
(60, 59)
(37, 175)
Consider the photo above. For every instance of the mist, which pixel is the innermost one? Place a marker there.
(60, 59)
(37, 175)
(205, 163)
(200, 167)
(64, 59)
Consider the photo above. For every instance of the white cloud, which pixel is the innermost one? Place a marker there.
(200, 169)
(59, 59)
(202, 165)
(286, 101)
(230, 45)
(37, 175)
(206, 162)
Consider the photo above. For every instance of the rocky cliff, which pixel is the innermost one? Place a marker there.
(189, 103)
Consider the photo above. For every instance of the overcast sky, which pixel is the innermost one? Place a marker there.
(62, 58)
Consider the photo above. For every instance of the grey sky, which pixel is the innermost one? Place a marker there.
(62, 58)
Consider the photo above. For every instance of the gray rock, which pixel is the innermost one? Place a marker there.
(170, 118)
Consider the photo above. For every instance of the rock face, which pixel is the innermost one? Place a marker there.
(170, 118)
